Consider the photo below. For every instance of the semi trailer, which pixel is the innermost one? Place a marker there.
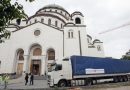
(85, 70)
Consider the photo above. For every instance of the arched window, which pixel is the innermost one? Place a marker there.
(49, 21)
(55, 10)
(56, 23)
(37, 52)
(20, 55)
(35, 20)
(61, 25)
(99, 48)
(42, 20)
(88, 40)
(70, 34)
(65, 14)
(77, 21)
(51, 54)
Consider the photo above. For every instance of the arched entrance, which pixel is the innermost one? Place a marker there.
(35, 60)
(20, 60)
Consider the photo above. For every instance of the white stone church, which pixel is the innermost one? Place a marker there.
(49, 35)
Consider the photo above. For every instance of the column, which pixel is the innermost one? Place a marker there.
(25, 65)
(43, 65)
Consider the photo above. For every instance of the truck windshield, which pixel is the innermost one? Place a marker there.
(58, 67)
(51, 68)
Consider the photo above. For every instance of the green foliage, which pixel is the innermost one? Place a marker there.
(9, 12)
(126, 58)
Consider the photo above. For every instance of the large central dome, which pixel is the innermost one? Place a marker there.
(53, 6)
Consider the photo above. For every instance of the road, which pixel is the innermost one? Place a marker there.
(42, 84)
(115, 88)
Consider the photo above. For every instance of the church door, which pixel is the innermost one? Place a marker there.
(36, 67)
(20, 68)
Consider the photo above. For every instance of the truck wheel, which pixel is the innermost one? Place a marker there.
(94, 82)
(121, 79)
(62, 83)
(125, 79)
(115, 79)
(90, 83)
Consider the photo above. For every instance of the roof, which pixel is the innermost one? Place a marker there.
(52, 6)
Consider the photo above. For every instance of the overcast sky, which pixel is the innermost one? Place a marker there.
(100, 15)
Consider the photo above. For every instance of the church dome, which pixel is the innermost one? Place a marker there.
(53, 15)
(52, 8)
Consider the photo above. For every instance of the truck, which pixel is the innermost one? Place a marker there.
(84, 70)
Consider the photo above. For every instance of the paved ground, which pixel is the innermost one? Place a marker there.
(20, 84)
(41, 84)
(115, 88)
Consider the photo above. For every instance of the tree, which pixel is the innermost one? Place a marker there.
(126, 56)
(9, 12)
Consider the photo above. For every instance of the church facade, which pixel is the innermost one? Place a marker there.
(49, 35)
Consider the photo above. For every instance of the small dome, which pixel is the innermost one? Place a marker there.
(96, 41)
(76, 13)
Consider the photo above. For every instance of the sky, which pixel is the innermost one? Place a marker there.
(100, 15)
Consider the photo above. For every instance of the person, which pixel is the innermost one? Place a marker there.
(31, 79)
(0, 79)
(26, 79)
(6, 80)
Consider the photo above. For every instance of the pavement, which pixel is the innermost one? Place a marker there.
(20, 84)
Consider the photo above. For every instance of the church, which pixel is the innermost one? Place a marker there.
(49, 35)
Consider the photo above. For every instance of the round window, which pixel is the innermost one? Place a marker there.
(37, 32)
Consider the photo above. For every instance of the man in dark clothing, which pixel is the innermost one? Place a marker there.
(26, 79)
(31, 79)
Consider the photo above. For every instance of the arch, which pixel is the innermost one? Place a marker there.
(99, 48)
(49, 21)
(56, 23)
(42, 20)
(51, 54)
(77, 20)
(70, 34)
(20, 54)
(61, 25)
(34, 62)
(19, 61)
(37, 52)
(35, 49)
(35, 20)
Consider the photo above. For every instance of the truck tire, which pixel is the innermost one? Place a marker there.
(121, 79)
(94, 82)
(115, 79)
(88, 82)
(125, 79)
(62, 83)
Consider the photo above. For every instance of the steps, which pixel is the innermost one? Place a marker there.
(37, 77)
